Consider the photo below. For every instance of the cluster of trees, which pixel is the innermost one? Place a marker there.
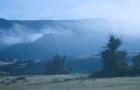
(57, 65)
(115, 63)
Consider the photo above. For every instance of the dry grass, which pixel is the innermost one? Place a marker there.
(69, 82)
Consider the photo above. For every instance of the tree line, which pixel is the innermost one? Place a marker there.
(114, 62)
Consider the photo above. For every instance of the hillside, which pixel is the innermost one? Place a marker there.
(22, 39)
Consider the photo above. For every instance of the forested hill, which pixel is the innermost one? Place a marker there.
(45, 38)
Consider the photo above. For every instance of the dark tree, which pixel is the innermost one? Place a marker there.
(114, 61)
(136, 64)
(57, 65)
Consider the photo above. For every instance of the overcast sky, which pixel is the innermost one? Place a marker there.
(70, 9)
(127, 10)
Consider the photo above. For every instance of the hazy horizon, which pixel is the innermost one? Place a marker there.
(127, 10)
(121, 18)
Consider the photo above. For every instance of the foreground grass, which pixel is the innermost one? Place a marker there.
(68, 82)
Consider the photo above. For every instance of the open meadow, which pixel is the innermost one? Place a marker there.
(67, 82)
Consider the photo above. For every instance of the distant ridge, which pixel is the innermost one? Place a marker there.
(73, 37)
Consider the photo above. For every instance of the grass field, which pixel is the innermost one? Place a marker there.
(67, 82)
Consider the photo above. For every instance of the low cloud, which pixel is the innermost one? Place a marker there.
(22, 34)
(18, 34)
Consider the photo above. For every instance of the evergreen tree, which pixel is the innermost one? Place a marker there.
(114, 61)
(57, 65)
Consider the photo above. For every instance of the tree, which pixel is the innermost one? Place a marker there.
(114, 61)
(136, 64)
(57, 65)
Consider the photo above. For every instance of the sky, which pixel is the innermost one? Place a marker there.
(121, 10)
(128, 10)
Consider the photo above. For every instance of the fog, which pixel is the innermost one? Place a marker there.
(125, 12)
(22, 34)
(87, 28)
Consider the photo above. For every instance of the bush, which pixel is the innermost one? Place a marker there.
(136, 65)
